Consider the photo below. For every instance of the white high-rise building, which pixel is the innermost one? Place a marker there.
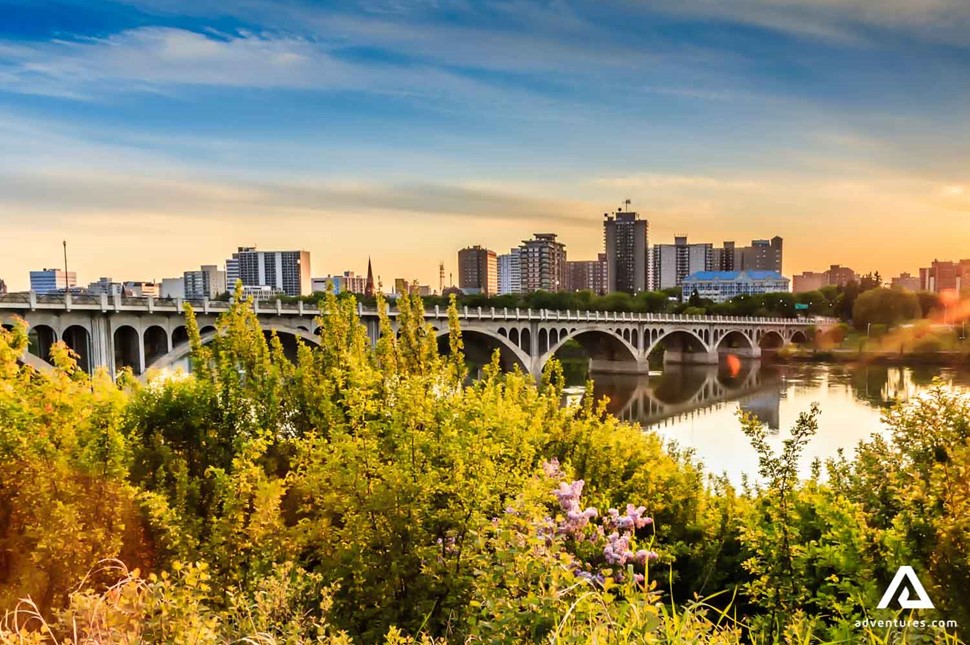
(509, 277)
(207, 282)
(283, 272)
(674, 262)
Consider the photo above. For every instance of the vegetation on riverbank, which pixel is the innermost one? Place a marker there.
(368, 495)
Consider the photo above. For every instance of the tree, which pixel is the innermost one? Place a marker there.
(884, 306)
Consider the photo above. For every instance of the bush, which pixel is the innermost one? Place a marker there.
(368, 494)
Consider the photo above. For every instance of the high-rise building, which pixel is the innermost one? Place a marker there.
(509, 276)
(207, 282)
(283, 272)
(724, 258)
(232, 267)
(542, 264)
(906, 281)
(625, 238)
(588, 275)
(674, 262)
(52, 281)
(477, 270)
(762, 255)
(3, 288)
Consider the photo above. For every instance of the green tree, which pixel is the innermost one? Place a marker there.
(887, 307)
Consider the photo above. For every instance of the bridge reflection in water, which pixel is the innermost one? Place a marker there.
(684, 391)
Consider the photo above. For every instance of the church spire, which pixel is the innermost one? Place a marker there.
(369, 287)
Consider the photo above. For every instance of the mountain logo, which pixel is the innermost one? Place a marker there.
(896, 590)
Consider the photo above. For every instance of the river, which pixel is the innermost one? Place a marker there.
(696, 406)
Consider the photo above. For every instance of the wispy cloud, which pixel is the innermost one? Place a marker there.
(77, 193)
(663, 180)
(844, 21)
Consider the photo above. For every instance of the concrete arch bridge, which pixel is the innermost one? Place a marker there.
(142, 333)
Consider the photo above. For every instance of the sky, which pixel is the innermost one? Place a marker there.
(158, 135)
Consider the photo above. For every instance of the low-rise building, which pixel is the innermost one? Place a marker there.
(836, 276)
(348, 282)
(721, 286)
(141, 289)
(905, 281)
(172, 288)
(106, 286)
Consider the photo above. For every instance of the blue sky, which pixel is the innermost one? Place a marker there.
(156, 135)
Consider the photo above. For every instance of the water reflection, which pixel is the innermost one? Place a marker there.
(697, 405)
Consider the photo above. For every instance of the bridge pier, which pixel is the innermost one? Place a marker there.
(603, 366)
(690, 358)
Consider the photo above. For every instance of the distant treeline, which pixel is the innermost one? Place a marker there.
(835, 301)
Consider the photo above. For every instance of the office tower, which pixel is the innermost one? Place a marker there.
(625, 238)
(52, 281)
(542, 264)
(477, 270)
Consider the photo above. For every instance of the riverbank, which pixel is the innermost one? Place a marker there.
(882, 358)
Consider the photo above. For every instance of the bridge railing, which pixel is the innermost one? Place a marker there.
(149, 304)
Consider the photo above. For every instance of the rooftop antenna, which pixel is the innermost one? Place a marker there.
(627, 203)
(66, 279)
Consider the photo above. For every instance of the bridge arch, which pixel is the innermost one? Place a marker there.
(40, 340)
(601, 345)
(155, 340)
(78, 339)
(181, 352)
(681, 342)
(180, 336)
(125, 341)
(734, 339)
(798, 337)
(479, 345)
(771, 339)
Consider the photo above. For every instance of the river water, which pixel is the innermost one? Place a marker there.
(696, 406)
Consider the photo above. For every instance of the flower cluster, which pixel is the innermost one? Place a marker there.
(614, 535)
(576, 518)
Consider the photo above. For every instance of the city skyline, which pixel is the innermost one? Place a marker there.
(155, 135)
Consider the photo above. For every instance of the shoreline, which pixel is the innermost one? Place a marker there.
(879, 358)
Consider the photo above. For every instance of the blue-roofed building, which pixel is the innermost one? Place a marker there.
(721, 286)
